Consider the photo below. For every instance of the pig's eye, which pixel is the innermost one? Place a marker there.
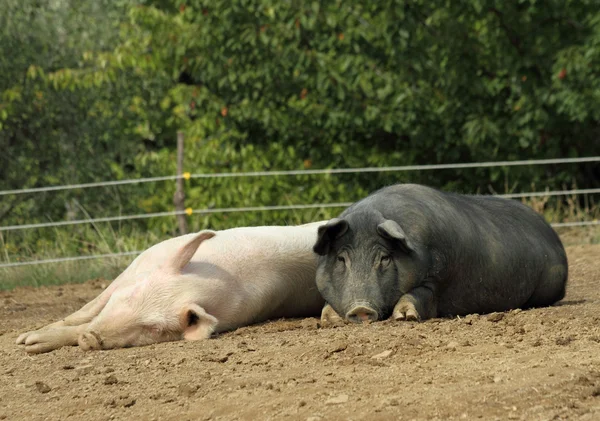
(341, 259)
(385, 260)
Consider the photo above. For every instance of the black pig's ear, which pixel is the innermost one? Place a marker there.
(392, 231)
(333, 229)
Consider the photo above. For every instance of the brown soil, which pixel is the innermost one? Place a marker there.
(541, 364)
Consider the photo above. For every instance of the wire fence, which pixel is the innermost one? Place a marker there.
(190, 211)
(135, 253)
(309, 172)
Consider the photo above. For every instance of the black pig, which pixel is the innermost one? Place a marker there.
(414, 252)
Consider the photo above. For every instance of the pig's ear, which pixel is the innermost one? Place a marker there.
(196, 323)
(333, 229)
(183, 256)
(392, 231)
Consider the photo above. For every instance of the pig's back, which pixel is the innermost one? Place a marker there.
(493, 253)
(273, 265)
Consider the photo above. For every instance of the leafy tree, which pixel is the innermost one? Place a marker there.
(265, 84)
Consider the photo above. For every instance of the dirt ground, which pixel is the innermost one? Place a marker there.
(541, 364)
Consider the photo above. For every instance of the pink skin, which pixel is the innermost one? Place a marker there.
(191, 286)
(133, 311)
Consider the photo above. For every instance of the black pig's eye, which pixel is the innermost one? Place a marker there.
(385, 259)
(341, 259)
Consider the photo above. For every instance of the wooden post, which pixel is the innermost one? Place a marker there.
(179, 197)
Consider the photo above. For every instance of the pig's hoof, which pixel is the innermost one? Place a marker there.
(23, 337)
(39, 342)
(406, 311)
(89, 341)
(329, 317)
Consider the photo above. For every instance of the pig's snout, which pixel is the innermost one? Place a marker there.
(362, 313)
(89, 341)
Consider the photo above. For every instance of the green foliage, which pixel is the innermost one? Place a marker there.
(97, 90)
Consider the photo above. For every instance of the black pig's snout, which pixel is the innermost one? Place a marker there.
(361, 314)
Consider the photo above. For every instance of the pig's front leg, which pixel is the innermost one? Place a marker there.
(46, 340)
(417, 304)
(330, 317)
(81, 316)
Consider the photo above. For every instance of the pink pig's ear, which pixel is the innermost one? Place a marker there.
(183, 256)
(196, 323)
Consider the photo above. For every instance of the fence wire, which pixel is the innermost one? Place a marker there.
(131, 253)
(308, 172)
(259, 209)
(278, 207)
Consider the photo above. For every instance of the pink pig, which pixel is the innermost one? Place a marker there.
(191, 286)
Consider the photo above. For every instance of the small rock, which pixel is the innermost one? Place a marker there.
(249, 348)
(564, 341)
(596, 391)
(208, 416)
(382, 355)
(393, 402)
(470, 318)
(452, 346)
(68, 367)
(186, 390)
(338, 347)
(84, 369)
(42, 387)
(111, 380)
(301, 404)
(128, 402)
(337, 400)
(310, 323)
(495, 317)
(109, 370)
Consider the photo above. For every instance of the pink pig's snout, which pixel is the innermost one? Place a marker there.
(90, 341)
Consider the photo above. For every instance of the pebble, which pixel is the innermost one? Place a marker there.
(564, 340)
(495, 317)
(470, 318)
(111, 380)
(382, 355)
(452, 346)
(338, 347)
(42, 387)
(84, 369)
(186, 390)
(310, 323)
(337, 400)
